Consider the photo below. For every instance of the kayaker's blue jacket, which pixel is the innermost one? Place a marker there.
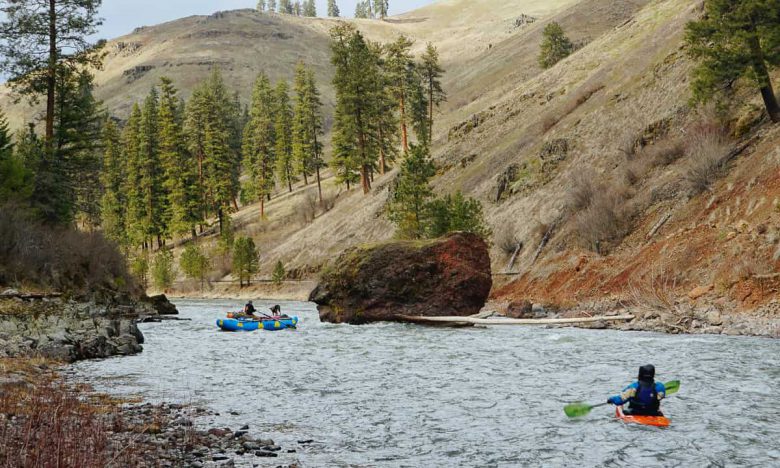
(630, 395)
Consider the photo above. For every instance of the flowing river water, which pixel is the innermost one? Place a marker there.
(393, 395)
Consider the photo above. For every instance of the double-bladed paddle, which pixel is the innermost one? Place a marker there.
(576, 410)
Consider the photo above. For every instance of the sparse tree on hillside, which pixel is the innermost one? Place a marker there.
(279, 274)
(363, 10)
(271, 6)
(736, 40)
(385, 120)
(297, 8)
(261, 5)
(402, 76)
(310, 9)
(259, 142)
(431, 73)
(555, 45)
(315, 130)
(283, 135)
(38, 38)
(333, 9)
(245, 260)
(418, 110)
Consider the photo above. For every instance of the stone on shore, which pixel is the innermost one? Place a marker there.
(442, 277)
(162, 305)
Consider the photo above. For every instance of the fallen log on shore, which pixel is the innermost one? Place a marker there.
(465, 321)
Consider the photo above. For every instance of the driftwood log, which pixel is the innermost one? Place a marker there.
(467, 321)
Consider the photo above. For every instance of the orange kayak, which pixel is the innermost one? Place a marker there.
(657, 421)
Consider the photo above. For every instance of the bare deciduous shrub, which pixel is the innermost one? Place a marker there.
(306, 210)
(507, 240)
(665, 152)
(59, 258)
(329, 201)
(656, 291)
(602, 212)
(707, 149)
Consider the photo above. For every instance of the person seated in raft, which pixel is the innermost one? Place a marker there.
(643, 396)
(249, 309)
(276, 311)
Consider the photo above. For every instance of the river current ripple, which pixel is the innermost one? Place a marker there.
(392, 395)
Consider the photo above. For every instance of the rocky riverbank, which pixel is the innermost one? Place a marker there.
(680, 319)
(45, 420)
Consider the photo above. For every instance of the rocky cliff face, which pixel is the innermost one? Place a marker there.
(68, 331)
(449, 276)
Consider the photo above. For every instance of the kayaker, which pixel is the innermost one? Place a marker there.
(643, 396)
(249, 309)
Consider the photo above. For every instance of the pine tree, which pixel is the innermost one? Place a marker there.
(261, 5)
(314, 115)
(132, 187)
(153, 197)
(113, 204)
(456, 213)
(385, 120)
(179, 168)
(297, 8)
(39, 39)
(245, 260)
(271, 5)
(286, 6)
(555, 45)
(15, 177)
(419, 112)
(333, 9)
(283, 135)
(195, 136)
(401, 70)
(362, 10)
(411, 194)
(259, 142)
(310, 9)
(279, 274)
(736, 40)
(431, 73)
(163, 273)
(301, 151)
(220, 160)
(381, 8)
(358, 92)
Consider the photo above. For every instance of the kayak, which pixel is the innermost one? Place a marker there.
(657, 421)
(279, 323)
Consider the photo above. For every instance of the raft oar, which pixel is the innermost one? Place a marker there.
(576, 410)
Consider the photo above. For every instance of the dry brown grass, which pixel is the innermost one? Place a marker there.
(655, 292)
(49, 424)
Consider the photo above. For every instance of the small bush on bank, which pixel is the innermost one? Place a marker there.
(163, 271)
(602, 211)
(306, 210)
(58, 258)
(507, 240)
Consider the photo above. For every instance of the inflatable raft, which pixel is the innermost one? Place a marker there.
(657, 421)
(278, 323)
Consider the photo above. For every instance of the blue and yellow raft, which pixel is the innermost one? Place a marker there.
(280, 323)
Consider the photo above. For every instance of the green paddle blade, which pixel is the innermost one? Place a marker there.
(672, 387)
(576, 410)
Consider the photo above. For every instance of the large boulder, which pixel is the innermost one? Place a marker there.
(442, 277)
(162, 305)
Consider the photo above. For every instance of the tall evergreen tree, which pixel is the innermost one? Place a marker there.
(555, 45)
(179, 168)
(38, 38)
(314, 114)
(301, 152)
(286, 6)
(363, 10)
(259, 142)
(431, 73)
(153, 197)
(418, 99)
(260, 5)
(113, 203)
(385, 120)
(402, 75)
(132, 187)
(297, 8)
(15, 177)
(310, 8)
(283, 135)
(736, 40)
(381, 8)
(333, 9)
(219, 163)
(271, 5)
(357, 92)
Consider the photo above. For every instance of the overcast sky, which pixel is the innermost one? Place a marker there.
(122, 16)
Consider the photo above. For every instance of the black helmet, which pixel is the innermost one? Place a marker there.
(647, 373)
(250, 303)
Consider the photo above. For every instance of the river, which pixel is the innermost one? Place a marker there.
(392, 395)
